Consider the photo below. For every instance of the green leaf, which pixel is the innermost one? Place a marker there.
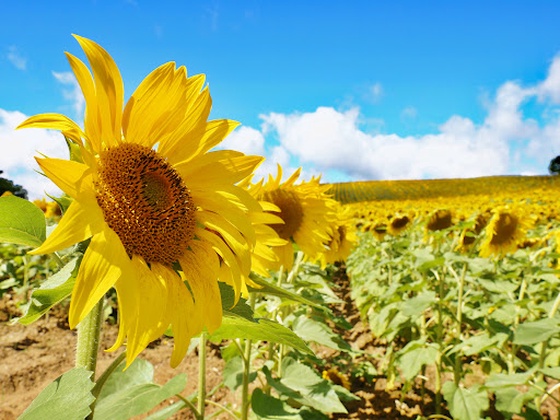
(511, 400)
(500, 380)
(233, 373)
(228, 302)
(21, 222)
(267, 407)
(415, 306)
(132, 392)
(311, 330)
(536, 331)
(272, 289)
(54, 290)
(67, 398)
(261, 329)
(415, 355)
(553, 372)
(302, 385)
(465, 403)
(482, 342)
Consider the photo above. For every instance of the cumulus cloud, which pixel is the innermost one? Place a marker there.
(18, 151)
(15, 57)
(505, 142)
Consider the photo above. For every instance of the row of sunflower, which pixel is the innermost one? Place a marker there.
(492, 224)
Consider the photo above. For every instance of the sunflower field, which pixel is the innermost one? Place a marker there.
(165, 239)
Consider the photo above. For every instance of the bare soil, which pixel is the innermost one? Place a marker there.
(33, 356)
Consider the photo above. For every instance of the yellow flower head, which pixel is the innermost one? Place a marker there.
(439, 220)
(505, 230)
(307, 211)
(164, 215)
(342, 238)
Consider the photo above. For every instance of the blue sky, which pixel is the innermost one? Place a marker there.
(351, 90)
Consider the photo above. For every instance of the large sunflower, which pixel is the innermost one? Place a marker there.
(309, 214)
(164, 215)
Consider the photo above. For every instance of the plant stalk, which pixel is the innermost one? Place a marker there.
(458, 365)
(89, 331)
(245, 401)
(201, 400)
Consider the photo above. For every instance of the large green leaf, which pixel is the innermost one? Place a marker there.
(271, 408)
(536, 331)
(301, 384)
(465, 403)
(21, 222)
(67, 398)
(415, 355)
(132, 392)
(261, 329)
(311, 330)
(511, 400)
(57, 288)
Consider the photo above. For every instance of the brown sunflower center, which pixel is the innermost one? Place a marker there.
(504, 229)
(145, 201)
(291, 212)
(439, 220)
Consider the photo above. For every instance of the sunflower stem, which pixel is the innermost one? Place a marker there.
(245, 401)
(89, 331)
(201, 402)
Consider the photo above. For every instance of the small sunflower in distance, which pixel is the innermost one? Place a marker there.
(164, 214)
(308, 213)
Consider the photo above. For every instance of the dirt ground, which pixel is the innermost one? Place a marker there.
(33, 356)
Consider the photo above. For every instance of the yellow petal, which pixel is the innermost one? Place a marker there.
(185, 142)
(72, 177)
(201, 267)
(157, 106)
(185, 321)
(109, 90)
(143, 302)
(104, 262)
(230, 235)
(229, 257)
(85, 80)
(81, 221)
(52, 121)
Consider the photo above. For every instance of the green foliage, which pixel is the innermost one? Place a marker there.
(57, 288)
(21, 222)
(67, 398)
(131, 392)
(438, 308)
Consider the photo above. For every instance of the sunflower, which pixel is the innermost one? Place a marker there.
(164, 215)
(439, 220)
(399, 223)
(504, 232)
(307, 211)
(342, 238)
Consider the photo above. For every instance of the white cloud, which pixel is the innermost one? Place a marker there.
(74, 94)
(245, 139)
(550, 88)
(15, 57)
(18, 151)
(505, 142)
